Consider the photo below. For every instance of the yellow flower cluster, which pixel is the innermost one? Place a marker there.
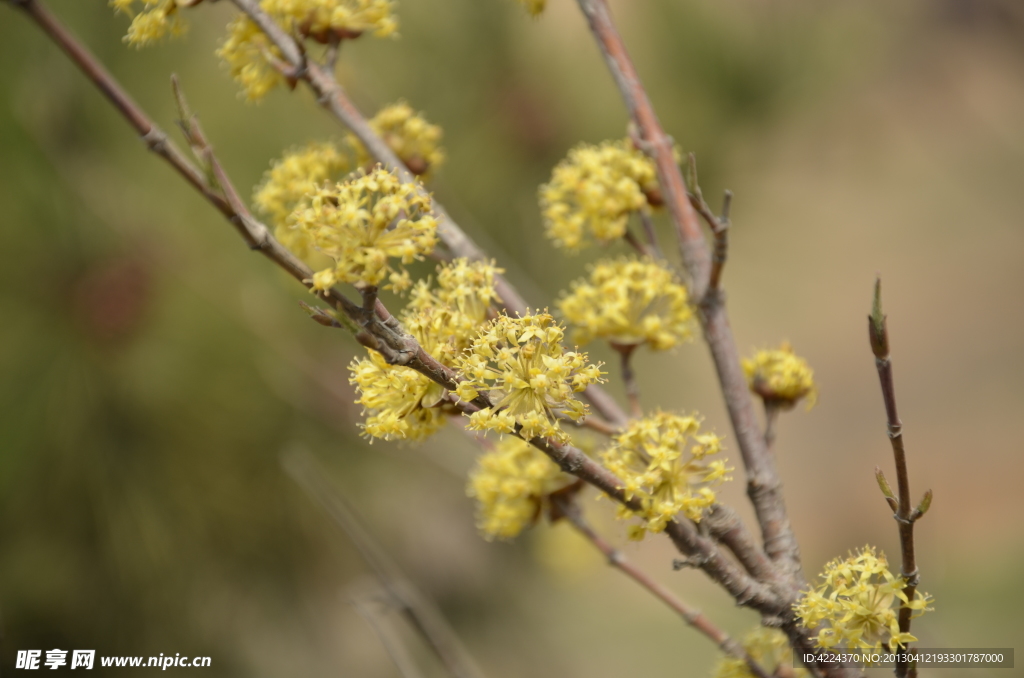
(509, 484)
(662, 462)
(245, 52)
(465, 290)
(154, 20)
(593, 191)
(399, 402)
(521, 365)
(363, 223)
(534, 7)
(780, 377)
(769, 648)
(298, 173)
(857, 604)
(246, 48)
(629, 302)
(410, 136)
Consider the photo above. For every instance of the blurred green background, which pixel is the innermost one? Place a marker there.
(152, 370)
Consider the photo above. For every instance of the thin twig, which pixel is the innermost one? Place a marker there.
(652, 235)
(625, 352)
(763, 485)
(568, 508)
(421, 613)
(638, 244)
(771, 418)
(721, 250)
(388, 638)
(878, 334)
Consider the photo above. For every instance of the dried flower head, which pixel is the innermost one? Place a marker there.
(249, 54)
(629, 302)
(398, 401)
(298, 173)
(857, 604)
(414, 140)
(769, 648)
(662, 462)
(152, 21)
(363, 224)
(781, 377)
(593, 191)
(521, 366)
(510, 483)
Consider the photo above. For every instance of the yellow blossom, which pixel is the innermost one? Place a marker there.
(465, 290)
(366, 222)
(245, 52)
(769, 648)
(510, 483)
(246, 49)
(593, 192)
(662, 463)
(291, 178)
(857, 604)
(521, 366)
(398, 401)
(780, 377)
(629, 302)
(410, 136)
(154, 20)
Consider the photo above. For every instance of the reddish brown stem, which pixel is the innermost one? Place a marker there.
(906, 516)
(568, 509)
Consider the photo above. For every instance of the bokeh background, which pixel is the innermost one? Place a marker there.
(152, 370)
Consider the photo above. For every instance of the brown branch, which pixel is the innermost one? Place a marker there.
(625, 352)
(764, 487)
(771, 419)
(652, 235)
(878, 335)
(385, 334)
(420, 612)
(568, 509)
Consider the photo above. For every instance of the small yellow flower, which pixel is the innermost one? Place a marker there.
(781, 377)
(155, 20)
(593, 192)
(410, 136)
(629, 302)
(465, 290)
(510, 484)
(366, 222)
(662, 462)
(246, 49)
(521, 365)
(244, 52)
(398, 401)
(300, 172)
(769, 648)
(857, 604)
